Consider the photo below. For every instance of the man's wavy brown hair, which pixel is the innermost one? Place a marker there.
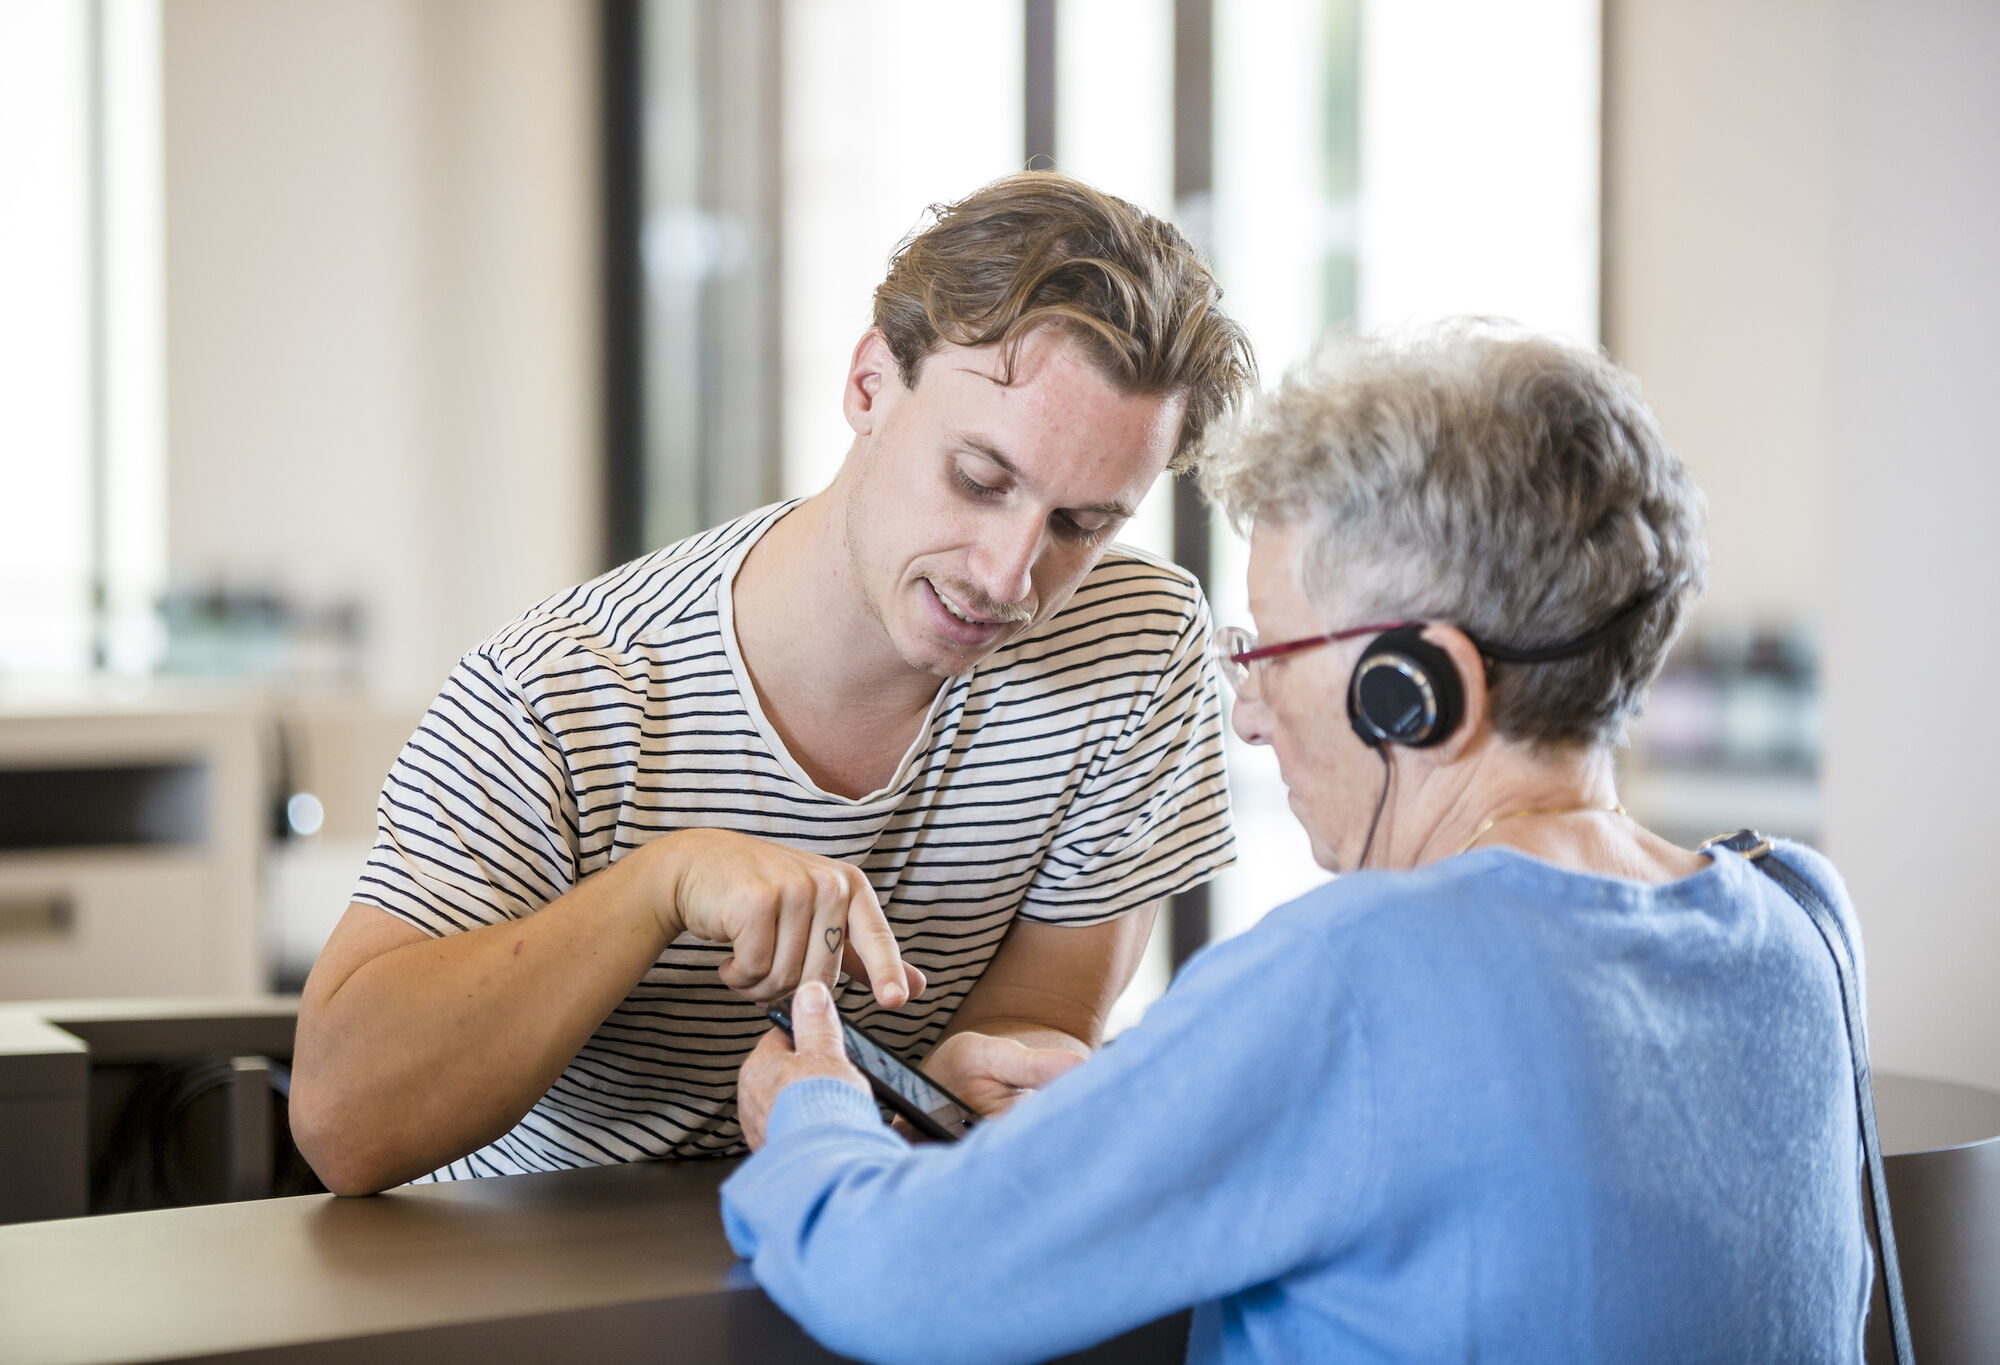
(1041, 249)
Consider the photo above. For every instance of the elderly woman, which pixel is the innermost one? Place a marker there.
(1531, 1084)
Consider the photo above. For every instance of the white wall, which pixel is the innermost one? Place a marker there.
(863, 160)
(1479, 163)
(1800, 267)
(381, 328)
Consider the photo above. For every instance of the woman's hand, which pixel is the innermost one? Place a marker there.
(815, 1048)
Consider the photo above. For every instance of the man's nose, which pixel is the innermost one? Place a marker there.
(1003, 562)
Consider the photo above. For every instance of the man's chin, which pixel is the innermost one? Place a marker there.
(948, 659)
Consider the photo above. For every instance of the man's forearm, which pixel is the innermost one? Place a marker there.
(1053, 986)
(436, 1048)
(1027, 1032)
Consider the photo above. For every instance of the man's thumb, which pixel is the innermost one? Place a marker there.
(815, 1023)
(1030, 1068)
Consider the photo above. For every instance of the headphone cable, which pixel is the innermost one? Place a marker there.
(1381, 800)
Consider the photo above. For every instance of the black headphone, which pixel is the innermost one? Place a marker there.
(1405, 690)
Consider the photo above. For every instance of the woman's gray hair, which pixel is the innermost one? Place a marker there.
(1509, 484)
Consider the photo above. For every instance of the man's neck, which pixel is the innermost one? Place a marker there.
(844, 702)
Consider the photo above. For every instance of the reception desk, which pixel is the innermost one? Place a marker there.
(629, 1263)
(622, 1263)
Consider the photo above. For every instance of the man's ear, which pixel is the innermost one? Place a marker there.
(872, 374)
(1475, 725)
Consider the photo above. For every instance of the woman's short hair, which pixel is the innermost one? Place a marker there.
(1509, 484)
(1041, 249)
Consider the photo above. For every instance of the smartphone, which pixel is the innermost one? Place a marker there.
(927, 1106)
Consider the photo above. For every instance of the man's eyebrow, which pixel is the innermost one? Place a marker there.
(979, 445)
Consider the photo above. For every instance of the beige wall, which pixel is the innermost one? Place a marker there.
(1801, 267)
(381, 275)
(1914, 473)
(1718, 184)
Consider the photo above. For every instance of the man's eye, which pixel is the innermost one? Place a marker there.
(1076, 530)
(973, 488)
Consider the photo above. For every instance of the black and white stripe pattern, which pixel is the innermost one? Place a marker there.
(1075, 774)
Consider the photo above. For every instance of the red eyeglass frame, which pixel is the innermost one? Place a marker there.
(1251, 656)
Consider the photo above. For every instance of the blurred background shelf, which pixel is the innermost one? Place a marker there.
(1688, 805)
(170, 840)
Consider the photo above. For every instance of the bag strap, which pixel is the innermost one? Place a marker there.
(1760, 853)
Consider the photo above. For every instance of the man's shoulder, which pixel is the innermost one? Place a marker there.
(621, 621)
(1129, 574)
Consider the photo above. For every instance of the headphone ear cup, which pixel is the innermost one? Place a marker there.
(1405, 690)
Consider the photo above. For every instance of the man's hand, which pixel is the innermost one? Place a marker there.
(990, 1073)
(788, 916)
(814, 1049)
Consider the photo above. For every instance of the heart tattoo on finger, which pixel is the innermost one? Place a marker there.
(833, 940)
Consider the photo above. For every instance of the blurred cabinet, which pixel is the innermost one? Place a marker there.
(1688, 805)
(130, 838)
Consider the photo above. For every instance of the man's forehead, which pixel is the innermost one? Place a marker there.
(1048, 348)
(1019, 362)
(1057, 423)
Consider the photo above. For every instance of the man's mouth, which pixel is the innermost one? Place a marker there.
(971, 617)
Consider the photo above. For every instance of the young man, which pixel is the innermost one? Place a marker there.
(926, 726)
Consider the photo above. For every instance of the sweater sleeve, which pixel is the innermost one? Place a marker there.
(1226, 1140)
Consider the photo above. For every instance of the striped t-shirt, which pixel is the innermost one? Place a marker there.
(1074, 774)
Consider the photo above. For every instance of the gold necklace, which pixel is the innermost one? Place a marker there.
(1490, 821)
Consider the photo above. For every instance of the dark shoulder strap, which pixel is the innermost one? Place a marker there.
(1759, 851)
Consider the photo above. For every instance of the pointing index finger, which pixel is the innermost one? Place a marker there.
(874, 942)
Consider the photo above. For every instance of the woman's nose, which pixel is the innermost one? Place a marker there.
(1251, 719)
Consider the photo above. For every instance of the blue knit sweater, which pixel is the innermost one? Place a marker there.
(1490, 1109)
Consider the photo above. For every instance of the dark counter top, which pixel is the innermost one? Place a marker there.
(603, 1265)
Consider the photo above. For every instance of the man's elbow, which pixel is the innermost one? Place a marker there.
(339, 1153)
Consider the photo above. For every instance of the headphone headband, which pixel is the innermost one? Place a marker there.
(1596, 635)
(1404, 689)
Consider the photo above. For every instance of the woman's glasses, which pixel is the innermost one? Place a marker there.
(1235, 648)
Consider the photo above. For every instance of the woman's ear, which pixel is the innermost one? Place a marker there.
(870, 370)
(1475, 725)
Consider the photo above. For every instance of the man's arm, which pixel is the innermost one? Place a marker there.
(1050, 986)
(413, 1051)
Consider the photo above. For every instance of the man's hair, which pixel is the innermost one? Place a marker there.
(1511, 485)
(1041, 249)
